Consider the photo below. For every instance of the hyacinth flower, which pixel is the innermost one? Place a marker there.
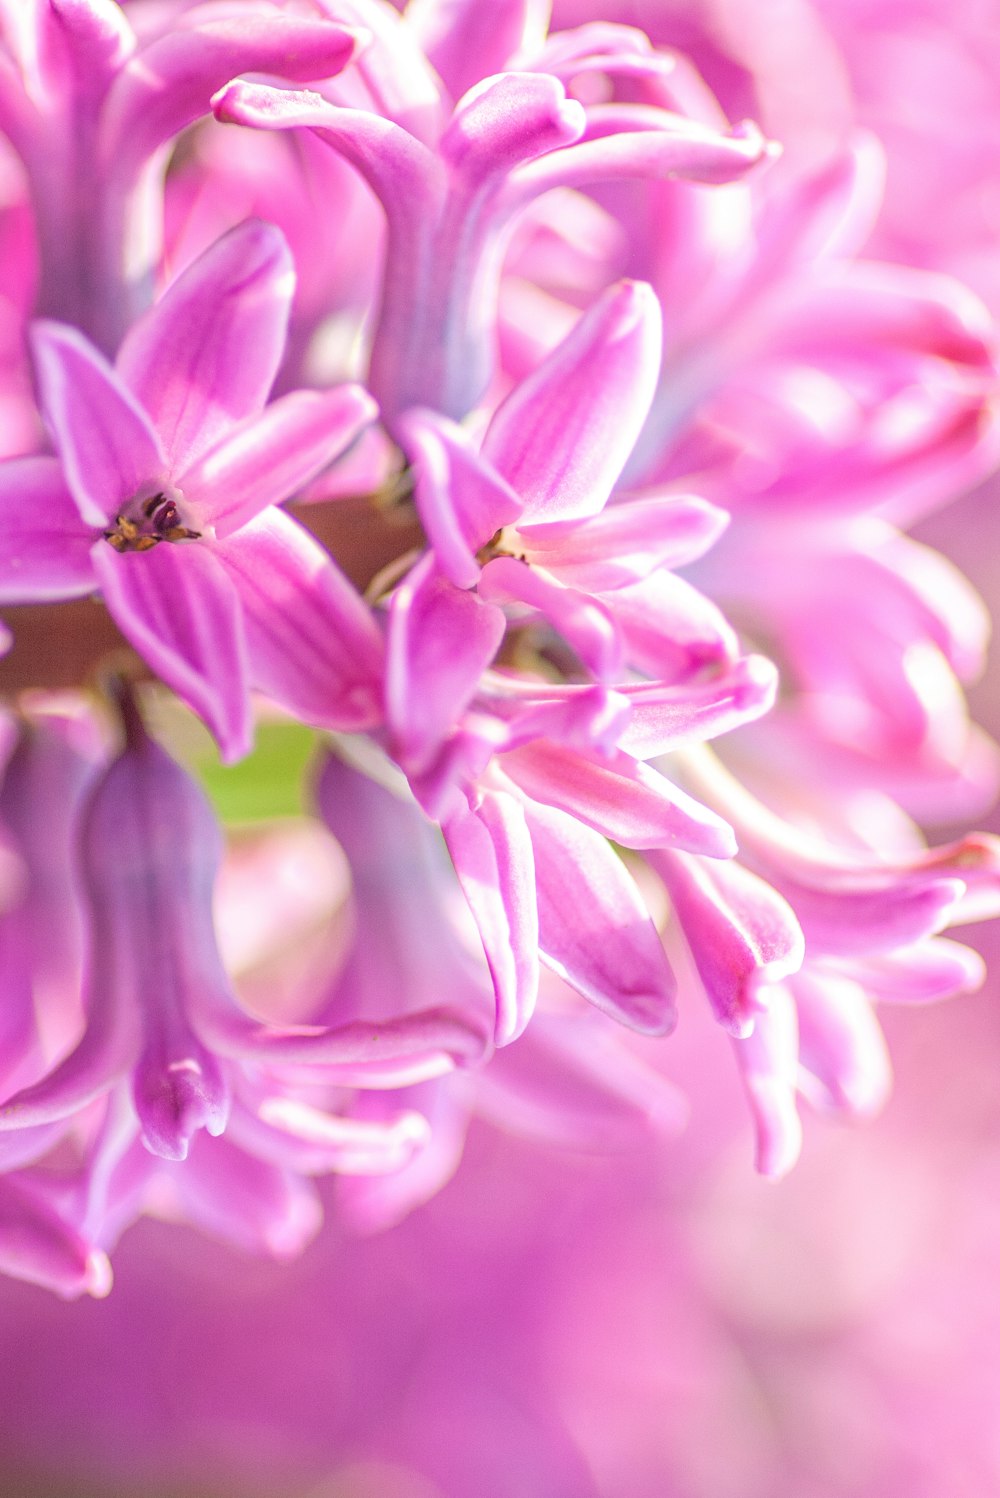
(823, 401)
(451, 187)
(528, 789)
(91, 105)
(169, 1053)
(164, 498)
(409, 951)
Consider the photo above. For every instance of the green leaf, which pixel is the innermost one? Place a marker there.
(265, 785)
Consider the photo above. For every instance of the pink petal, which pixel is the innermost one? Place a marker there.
(312, 643)
(626, 801)
(667, 718)
(634, 147)
(842, 1050)
(107, 446)
(585, 623)
(506, 120)
(461, 49)
(172, 80)
(461, 501)
(440, 640)
(933, 970)
(741, 933)
(768, 1063)
(38, 1245)
(593, 927)
(44, 544)
(179, 609)
(672, 632)
(205, 356)
(562, 437)
(267, 458)
(491, 850)
(625, 542)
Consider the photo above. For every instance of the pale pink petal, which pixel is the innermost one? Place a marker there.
(562, 437)
(626, 541)
(178, 607)
(312, 642)
(267, 458)
(44, 544)
(107, 446)
(594, 929)
(585, 623)
(491, 850)
(648, 143)
(933, 970)
(171, 82)
(440, 639)
(629, 802)
(506, 120)
(205, 356)
(768, 1062)
(461, 501)
(672, 632)
(741, 933)
(842, 1051)
(666, 718)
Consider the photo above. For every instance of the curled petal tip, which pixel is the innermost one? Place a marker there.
(98, 1276)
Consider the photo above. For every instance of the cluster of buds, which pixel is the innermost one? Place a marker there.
(498, 415)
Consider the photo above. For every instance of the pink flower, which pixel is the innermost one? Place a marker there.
(172, 467)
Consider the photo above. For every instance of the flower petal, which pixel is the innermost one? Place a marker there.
(440, 640)
(107, 445)
(594, 929)
(629, 802)
(741, 933)
(563, 435)
(491, 850)
(179, 609)
(44, 544)
(205, 356)
(312, 643)
(267, 458)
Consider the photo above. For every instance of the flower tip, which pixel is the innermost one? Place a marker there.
(175, 1101)
(98, 1275)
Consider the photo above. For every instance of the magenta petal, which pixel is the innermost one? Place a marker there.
(205, 356)
(585, 623)
(626, 541)
(312, 643)
(593, 927)
(401, 171)
(107, 446)
(171, 83)
(665, 718)
(267, 458)
(491, 850)
(38, 1245)
(768, 1061)
(843, 1056)
(506, 120)
(44, 544)
(620, 798)
(741, 933)
(177, 606)
(932, 970)
(563, 436)
(440, 641)
(687, 150)
(461, 501)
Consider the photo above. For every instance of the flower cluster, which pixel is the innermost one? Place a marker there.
(473, 398)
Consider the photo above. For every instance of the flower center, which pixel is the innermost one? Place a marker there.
(146, 522)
